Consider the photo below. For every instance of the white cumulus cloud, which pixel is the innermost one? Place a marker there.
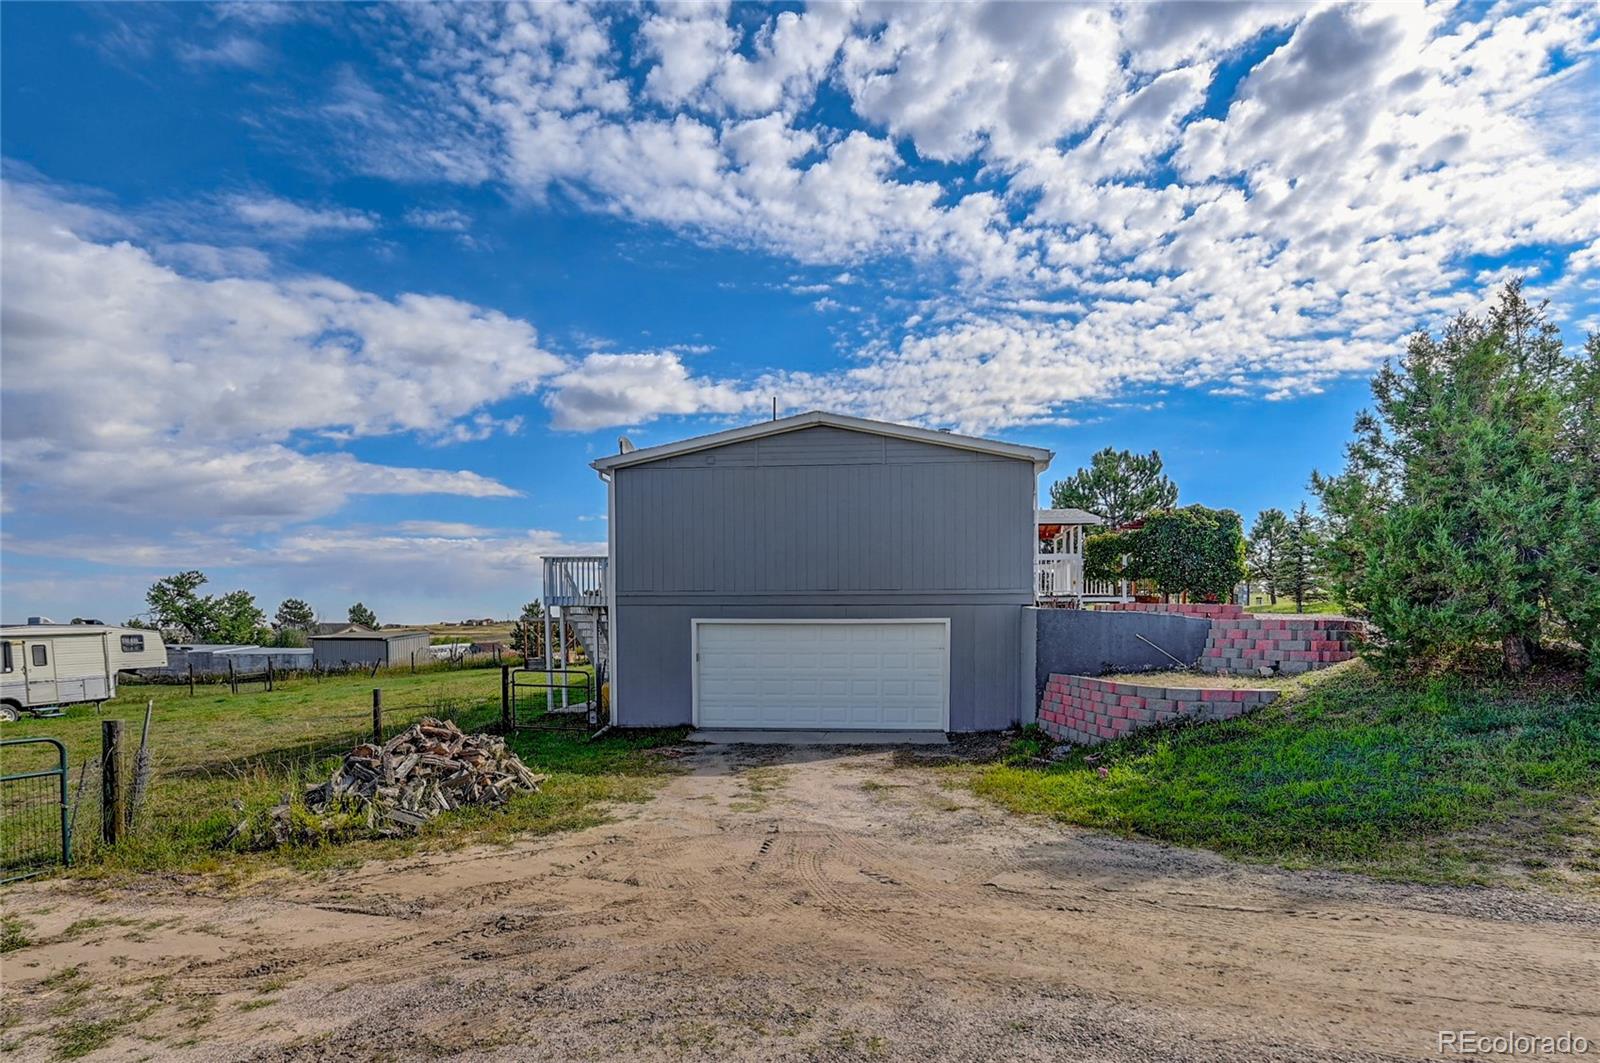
(132, 385)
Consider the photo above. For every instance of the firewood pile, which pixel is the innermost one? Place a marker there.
(430, 767)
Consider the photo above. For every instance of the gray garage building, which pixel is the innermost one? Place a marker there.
(822, 572)
(363, 649)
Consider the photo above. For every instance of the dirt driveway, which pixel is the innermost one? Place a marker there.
(801, 904)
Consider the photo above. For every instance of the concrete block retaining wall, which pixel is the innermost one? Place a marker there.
(1289, 645)
(1241, 642)
(1087, 711)
(1206, 609)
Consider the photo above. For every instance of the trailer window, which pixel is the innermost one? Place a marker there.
(133, 644)
(41, 656)
(6, 667)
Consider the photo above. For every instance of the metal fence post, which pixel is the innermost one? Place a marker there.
(112, 812)
(505, 698)
(377, 716)
(66, 820)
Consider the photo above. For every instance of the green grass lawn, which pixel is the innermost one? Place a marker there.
(1439, 781)
(216, 752)
(1286, 605)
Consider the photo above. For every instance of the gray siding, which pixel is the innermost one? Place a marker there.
(402, 647)
(822, 511)
(824, 523)
(654, 656)
(1091, 642)
(335, 652)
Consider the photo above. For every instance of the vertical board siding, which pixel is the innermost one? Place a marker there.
(822, 445)
(918, 526)
(814, 515)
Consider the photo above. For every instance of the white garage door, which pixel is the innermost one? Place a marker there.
(823, 675)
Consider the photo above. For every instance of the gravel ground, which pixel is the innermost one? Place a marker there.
(797, 904)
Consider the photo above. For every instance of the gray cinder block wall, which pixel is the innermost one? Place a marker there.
(1091, 642)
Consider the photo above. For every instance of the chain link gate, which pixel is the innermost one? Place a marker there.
(35, 832)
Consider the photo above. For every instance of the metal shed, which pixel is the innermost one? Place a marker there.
(363, 649)
(822, 572)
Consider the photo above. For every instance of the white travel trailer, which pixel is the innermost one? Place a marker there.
(60, 664)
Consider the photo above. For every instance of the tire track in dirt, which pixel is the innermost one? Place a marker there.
(835, 912)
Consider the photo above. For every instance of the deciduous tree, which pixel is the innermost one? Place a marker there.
(1195, 550)
(179, 609)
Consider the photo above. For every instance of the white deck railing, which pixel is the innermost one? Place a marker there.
(575, 581)
(1061, 576)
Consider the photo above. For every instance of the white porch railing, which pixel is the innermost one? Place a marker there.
(1061, 576)
(576, 581)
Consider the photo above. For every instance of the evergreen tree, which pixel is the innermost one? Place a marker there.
(527, 634)
(1118, 485)
(360, 614)
(1466, 512)
(1298, 570)
(294, 613)
(1267, 537)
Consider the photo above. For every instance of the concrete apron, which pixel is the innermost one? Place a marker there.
(818, 738)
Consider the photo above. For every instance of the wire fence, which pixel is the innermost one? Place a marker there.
(214, 675)
(34, 835)
(204, 756)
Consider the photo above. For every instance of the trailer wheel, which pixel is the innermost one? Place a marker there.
(8, 712)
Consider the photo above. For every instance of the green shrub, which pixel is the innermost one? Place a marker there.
(1194, 550)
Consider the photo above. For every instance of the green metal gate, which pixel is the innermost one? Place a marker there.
(35, 834)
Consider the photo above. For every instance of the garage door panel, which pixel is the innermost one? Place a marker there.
(871, 675)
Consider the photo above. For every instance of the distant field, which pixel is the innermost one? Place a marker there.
(443, 633)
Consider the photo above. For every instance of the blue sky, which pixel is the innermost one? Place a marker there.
(338, 302)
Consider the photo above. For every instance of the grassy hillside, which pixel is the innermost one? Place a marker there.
(1439, 780)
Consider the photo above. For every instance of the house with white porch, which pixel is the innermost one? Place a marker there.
(1058, 561)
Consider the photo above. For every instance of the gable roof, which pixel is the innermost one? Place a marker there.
(1037, 455)
(1067, 516)
(368, 633)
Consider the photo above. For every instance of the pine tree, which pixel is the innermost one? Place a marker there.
(1298, 571)
(527, 634)
(1118, 486)
(1267, 537)
(360, 614)
(1466, 511)
(294, 613)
